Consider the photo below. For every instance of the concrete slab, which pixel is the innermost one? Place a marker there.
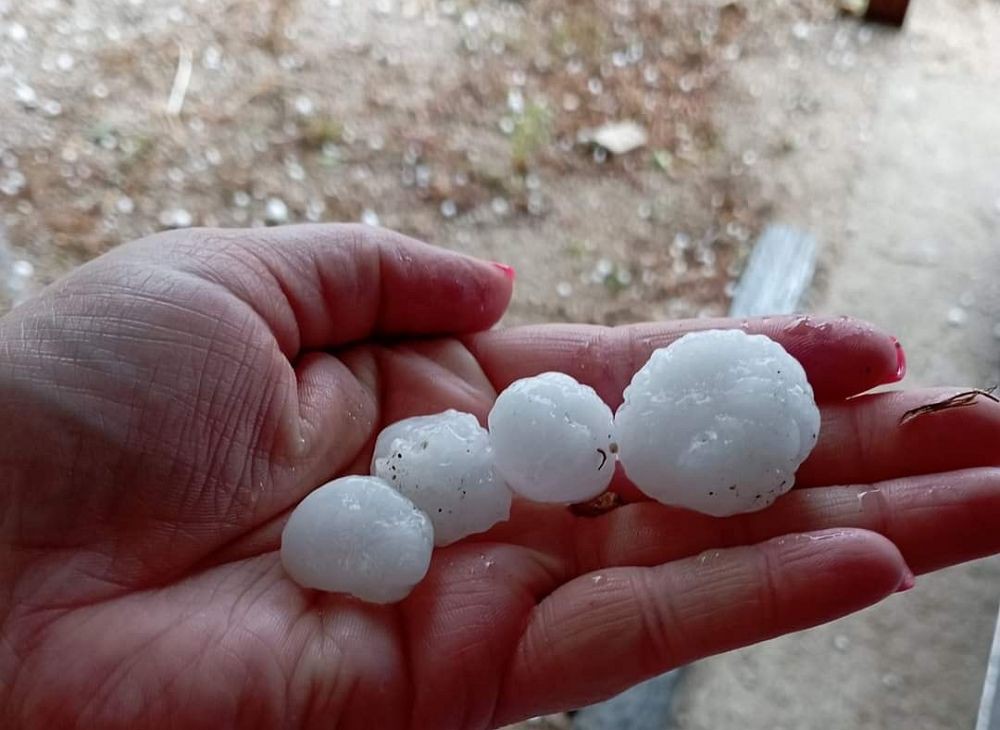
(897, 169)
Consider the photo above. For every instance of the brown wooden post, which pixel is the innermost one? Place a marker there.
(890, 12)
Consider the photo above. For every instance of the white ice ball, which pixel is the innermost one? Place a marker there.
(718, 422)
(553, 439)
(360, 536)
(444, 465)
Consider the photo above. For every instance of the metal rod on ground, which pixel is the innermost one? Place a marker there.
(989, 707)
(778, 274)
(776, 278)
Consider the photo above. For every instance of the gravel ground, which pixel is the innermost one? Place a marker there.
(468, 124)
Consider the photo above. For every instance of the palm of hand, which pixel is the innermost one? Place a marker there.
(145, 587)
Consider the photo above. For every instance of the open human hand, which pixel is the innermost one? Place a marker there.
(167, 405)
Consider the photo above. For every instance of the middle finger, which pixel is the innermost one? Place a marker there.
(865, 439)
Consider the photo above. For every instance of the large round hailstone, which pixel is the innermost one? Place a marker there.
(360, 536)
(444, 465)
(552, 439)
(718, 422)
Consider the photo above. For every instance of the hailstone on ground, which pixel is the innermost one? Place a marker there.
(444, 465)
(553, 439)
(360, 536)
(718, 422)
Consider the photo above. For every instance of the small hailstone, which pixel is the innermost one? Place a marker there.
(275, 211)
(449, 209)
(23, 269)
(176, 218)
(957, 316)
(125, 205)
(17, 32)
(718, 422)
(360, 536)
(552, 439)
(26, 95)
(303, 105)
(444, 464)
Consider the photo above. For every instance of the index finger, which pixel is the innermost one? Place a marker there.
(841, 356)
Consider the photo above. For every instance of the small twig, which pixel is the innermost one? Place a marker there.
(182, 78)
(960, 400)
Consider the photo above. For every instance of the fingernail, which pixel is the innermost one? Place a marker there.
(508, 271)
(908, 582)
(900, 360)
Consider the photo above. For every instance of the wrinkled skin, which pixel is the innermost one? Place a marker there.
(165, 407)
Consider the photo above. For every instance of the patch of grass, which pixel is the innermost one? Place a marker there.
(532, 131)
(576, 249)
(663, 160)
(138, 154)
(318, 131)
(617, 280)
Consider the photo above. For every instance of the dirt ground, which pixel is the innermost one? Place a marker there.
(470, 124)
(465, 123)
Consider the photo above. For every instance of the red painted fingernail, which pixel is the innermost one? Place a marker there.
(508, 271)
(900, 360)
(908, 582)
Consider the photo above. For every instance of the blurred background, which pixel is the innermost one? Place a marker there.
(622, 155)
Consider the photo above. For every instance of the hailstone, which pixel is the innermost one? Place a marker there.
(444, 465)
(718, 422)
(360, 536)
(553, 439)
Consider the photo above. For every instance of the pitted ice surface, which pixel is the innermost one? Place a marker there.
(360, 536)
(718, 422)
(444, 464)
(552, 438)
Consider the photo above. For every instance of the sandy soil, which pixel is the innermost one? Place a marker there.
(897, 176)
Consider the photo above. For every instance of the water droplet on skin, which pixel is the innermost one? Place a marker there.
(799, 326)
(823, 537)
(597, 579)
(709, 557)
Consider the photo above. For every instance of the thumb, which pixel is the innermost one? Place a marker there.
(322, 286)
